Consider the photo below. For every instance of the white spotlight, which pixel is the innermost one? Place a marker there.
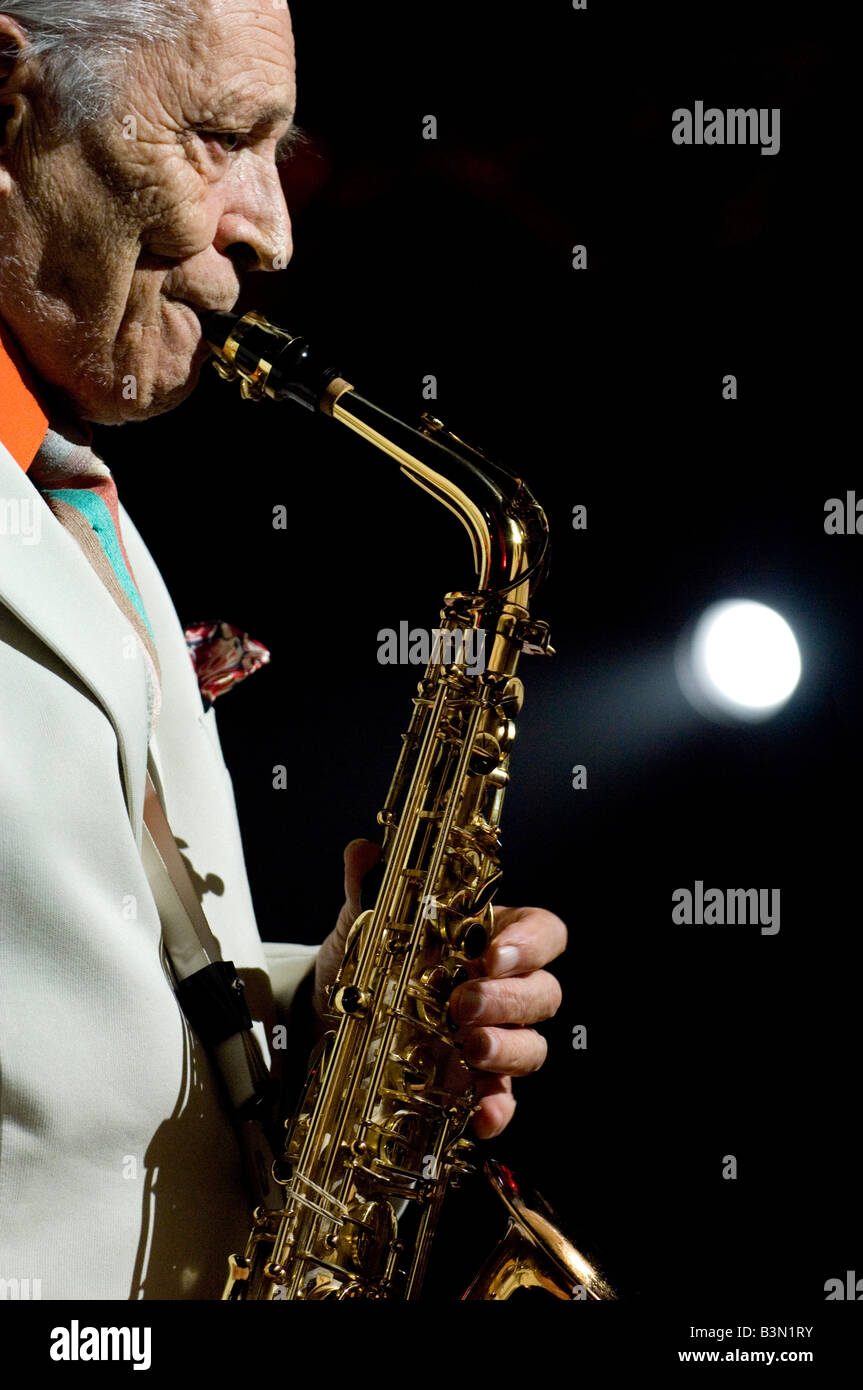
(741, 661)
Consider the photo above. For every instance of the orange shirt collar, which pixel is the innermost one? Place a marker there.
(23, 418)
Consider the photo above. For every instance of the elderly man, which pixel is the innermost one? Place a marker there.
(139, 149)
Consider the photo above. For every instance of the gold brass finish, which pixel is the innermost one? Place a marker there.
(378, 1133)
(333, 393)
(534, 1253)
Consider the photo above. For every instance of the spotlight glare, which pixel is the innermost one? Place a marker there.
(742, 660)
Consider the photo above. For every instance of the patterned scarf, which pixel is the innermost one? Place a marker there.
(81, 492)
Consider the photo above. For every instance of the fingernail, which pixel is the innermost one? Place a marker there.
(506, 959)
(470, 1004)
(481, 1047)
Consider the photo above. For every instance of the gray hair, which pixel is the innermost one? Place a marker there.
(83, 44)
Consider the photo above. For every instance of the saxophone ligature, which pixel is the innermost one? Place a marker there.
(378, 1134)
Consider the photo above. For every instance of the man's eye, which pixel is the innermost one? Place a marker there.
(228, 139)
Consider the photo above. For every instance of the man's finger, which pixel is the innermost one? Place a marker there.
(497, 1106)
(526, 938)
(516, 1051)
(515, 1000)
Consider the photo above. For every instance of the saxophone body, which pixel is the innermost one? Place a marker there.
(379, 1132)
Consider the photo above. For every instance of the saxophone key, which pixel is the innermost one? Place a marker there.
(470, 937)
(351, 1001)
(366, 1237)
(434, 989)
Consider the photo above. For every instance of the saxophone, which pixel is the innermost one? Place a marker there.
(378, 1134)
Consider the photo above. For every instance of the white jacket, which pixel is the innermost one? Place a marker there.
(119, 1173)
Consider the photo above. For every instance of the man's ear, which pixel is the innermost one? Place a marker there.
(11, 115)
(13, 104)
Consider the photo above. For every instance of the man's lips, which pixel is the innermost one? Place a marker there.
(203, 305)
(193, 315)
(193, 322)
(193, 305)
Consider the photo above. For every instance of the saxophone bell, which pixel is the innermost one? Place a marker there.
(534, 1252)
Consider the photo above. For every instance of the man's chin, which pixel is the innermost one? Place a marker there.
(128, 405)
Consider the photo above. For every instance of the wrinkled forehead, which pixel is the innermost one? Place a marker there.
(236, 62)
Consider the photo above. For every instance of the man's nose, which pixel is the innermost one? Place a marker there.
(255, 227)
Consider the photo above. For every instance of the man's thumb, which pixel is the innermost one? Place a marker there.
(360, 856)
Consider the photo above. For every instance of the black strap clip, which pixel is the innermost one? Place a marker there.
(213, 1001)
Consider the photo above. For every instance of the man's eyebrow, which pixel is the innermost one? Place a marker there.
(269, 115)
(238, 113)
(293, 140)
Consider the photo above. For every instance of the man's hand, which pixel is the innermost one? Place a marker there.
(494, 1011)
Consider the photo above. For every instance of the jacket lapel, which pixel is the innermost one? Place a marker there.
(50, 586)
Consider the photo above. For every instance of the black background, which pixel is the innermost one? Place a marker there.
(603, 387)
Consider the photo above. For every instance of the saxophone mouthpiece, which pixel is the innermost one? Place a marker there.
(266, 360)
(217, 327)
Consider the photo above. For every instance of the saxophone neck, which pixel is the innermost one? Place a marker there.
(506, 525)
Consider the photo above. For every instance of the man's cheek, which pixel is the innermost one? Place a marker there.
(155, 334)
(185, 229)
